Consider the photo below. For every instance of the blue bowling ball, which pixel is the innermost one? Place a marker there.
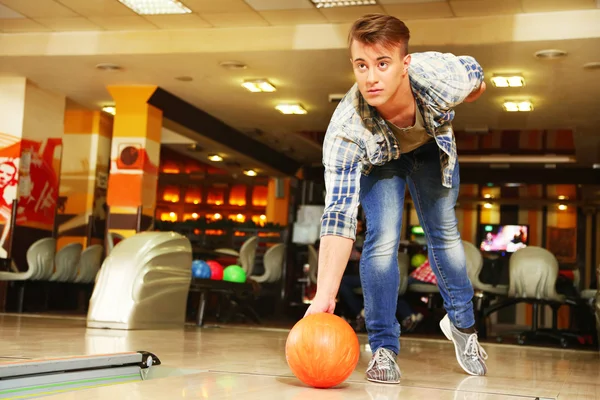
(200, 269)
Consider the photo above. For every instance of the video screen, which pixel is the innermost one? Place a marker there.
(509, 238)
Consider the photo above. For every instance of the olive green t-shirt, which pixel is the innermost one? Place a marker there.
(412, 137)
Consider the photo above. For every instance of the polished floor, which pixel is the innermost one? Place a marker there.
(249, 363)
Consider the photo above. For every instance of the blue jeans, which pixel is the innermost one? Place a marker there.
(382, 198)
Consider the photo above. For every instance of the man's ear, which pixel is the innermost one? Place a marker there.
(406, 62)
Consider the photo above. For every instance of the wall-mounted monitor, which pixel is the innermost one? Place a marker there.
(503, 238)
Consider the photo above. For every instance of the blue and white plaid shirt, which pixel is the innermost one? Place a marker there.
(358, 138)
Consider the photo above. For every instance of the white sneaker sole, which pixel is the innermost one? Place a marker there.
(378, 381)
(445, 327)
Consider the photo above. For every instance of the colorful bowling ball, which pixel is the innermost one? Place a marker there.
(417, 260)
(200, 269)
(322, 350)
(216, 270)
(234, 273)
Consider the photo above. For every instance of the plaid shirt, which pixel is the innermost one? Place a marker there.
(358, 138)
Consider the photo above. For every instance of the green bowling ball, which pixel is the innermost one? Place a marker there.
(234, 273)
(417, 260)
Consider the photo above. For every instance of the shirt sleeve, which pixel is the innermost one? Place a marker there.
(342, 161)
(467, 76)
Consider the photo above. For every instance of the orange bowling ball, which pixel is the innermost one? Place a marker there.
(322, 350)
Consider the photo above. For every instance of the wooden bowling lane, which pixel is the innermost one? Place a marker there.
(211, 385)
(222, 361)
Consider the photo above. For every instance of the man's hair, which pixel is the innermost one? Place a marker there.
(380, 29)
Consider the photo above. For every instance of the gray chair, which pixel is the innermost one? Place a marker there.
(273, 262)
(66, 261)
(42, 254)
(246, 256)
(40, 258)
(432, 292)
(533, 274)
(403, 266)
(484, 293)
(89, 264)
(313, 264)
(598, 303)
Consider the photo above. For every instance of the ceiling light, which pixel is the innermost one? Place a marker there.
(514, 106)
(259, 85)
(591, 65)
(110, 109)
(250, 172)
(108, 67)
(156, 7)
(291, 109)
(184, 78)
(550, 54)
(508, 80)
(562, 197)
(233, 65)
(215, 158)
(562, 207)
(487, 205)
(342, 3)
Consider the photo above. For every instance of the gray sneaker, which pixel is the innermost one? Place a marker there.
(383, 367)
(469, 353)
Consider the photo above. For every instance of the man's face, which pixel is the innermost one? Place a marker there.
(7, 173)
(379, 71)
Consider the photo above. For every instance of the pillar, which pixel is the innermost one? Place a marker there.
(31, 130)
(278, 201)
(135, 157)
(81, 215)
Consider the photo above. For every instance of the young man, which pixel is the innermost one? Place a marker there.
(392, 129)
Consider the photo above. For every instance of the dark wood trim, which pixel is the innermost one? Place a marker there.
(191, 117)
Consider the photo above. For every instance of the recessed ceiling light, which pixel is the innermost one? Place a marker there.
(156, 7)
(512, 80)
(291, 109)
(110, 109)
(184, 78)
(259, 85)
(514, 106)
(342, 3)
(233, 65)
(215, 158)
(108, 67)
(550, 54)
(592, 65)
(250, 172)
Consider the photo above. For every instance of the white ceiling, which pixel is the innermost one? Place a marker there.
(305, 57)
(74, 15)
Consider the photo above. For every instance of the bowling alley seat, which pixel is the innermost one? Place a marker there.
(313, 264)
(89, 264)
(40, 262)
(432, 292)
(598, 303)
(483, 293)
(533, 274)
(246, 256)
(273, 262)
(143, 283)
(66, 262)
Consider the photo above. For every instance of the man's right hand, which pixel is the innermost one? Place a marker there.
(320, 305)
